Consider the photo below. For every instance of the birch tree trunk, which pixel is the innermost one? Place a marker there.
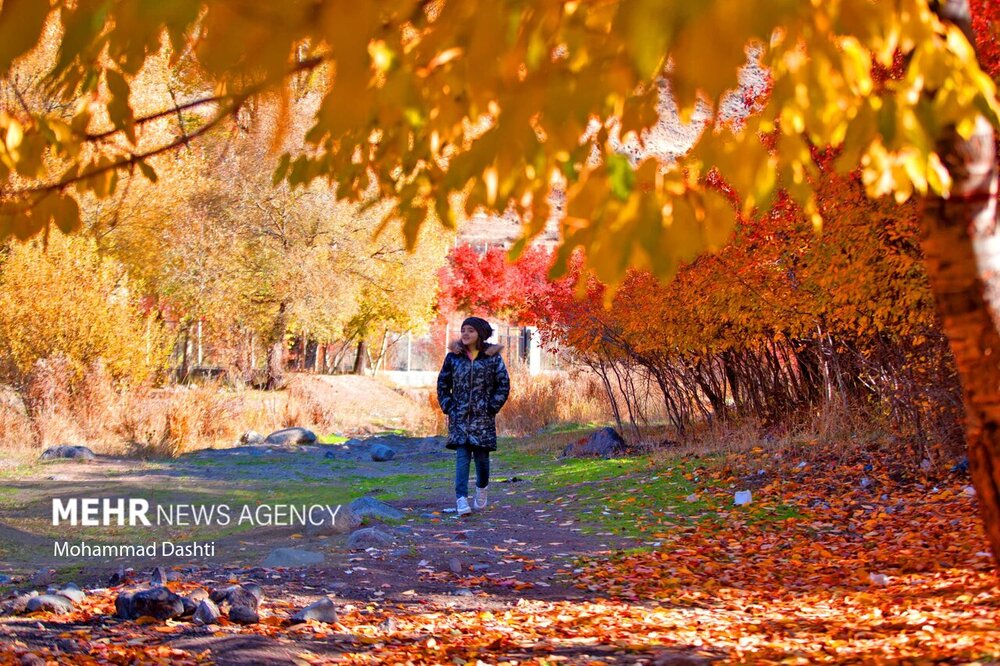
(962, 254)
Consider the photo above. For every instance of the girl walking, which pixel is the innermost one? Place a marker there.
(471, 388)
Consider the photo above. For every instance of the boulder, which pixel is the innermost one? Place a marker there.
(292, 557)
(159, 577)
(190, 606)
(17, 605)
(72, 452)
(158, 602)
(341, 522)
(323, 610)
(251, 438)
(369, 507)
(369, 537)
(206, 612)
(74, 594)
(53, 603)
(248, 595)
(604, 443)
(124, 608)
(382, 453)
(243, 615)
(291, 436)
(198, 594)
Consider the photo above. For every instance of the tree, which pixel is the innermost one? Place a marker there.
(490, 285)
(67, 299)
(425, 100)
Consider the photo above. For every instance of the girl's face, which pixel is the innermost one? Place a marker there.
(469, 336)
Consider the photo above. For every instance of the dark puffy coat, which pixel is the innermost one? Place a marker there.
(471, 392)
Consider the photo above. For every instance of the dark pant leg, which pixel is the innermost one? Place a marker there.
(462, 458)
(482, 457)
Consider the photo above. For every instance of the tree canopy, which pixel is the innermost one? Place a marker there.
(501, 105)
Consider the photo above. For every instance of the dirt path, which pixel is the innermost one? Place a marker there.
(518, 552)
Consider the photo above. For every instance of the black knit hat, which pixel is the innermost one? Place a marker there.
(482, 327)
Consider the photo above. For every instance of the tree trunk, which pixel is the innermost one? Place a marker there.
(276, 351)
(962, 254)
(361, 357)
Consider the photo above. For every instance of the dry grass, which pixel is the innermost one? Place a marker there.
(54, 408)
(539, 401)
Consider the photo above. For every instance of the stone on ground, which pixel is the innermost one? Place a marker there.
(382, 453)
(341, 521)
(605, 443)
(292, 557)
(323, 610)
(243, 615)
(206, 613)
(71, 452)
(53, 603)
(158, 602)
(369, 507)
(369, 537)
(290, 436)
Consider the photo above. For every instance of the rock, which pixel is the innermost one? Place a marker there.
(53, 603)
(190, 606)
(878, 579)
(292, 557)
(462, 592)
(159, 577)
(329, 455)
(124, 608)
(198, 594)
(480, 567)
(455, 565)
(72, 452)
(369, 537)
(323, 610)
(117, 578)
(290, 436)
(43, 577)
(961, 467)
(969, 490)
(382, 453)
(925, 465)
(17, 605)
(865, 482)
(693, 497)
(206, 612)
(605, 443)
(248, 595)
(243, 615)
(369, 507)
(74, 594)
(4, 579)
(341, 521)
(158, 602)
(251, 438)
(742, 497)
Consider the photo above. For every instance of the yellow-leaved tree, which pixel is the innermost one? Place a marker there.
(68, 300)
(507, 102)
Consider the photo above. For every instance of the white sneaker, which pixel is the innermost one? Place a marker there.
(480, 500)
(462, 506)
